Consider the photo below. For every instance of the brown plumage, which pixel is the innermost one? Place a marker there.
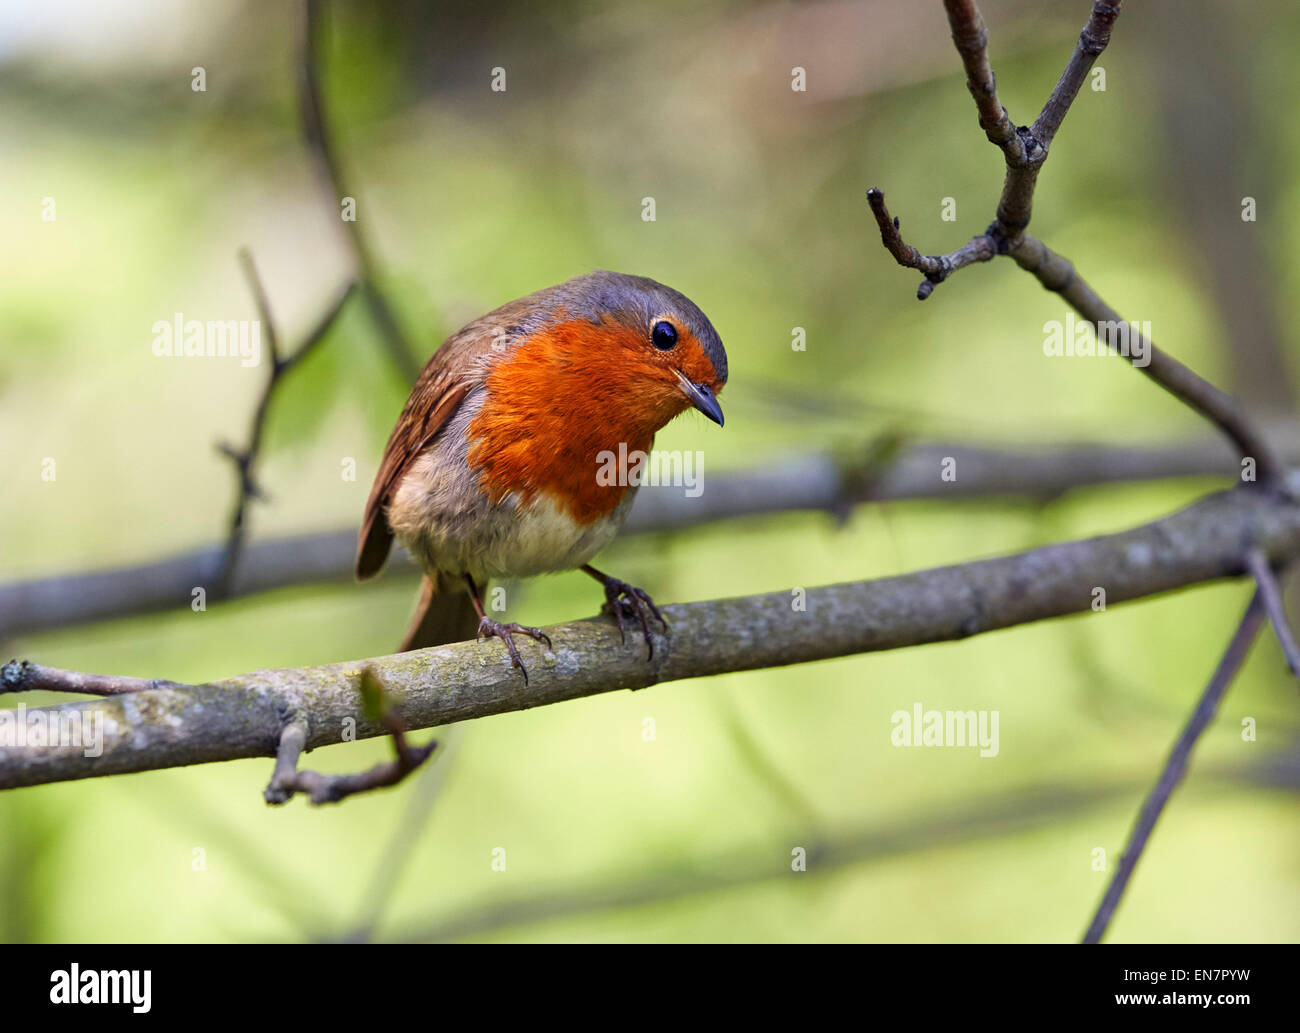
(491, 468)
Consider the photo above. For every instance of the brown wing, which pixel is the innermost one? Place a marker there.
(446, 379)
(450, 374)
(428, 408)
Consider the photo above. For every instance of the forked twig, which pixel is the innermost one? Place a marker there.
(245, 459)
(1025, 150)
(288, 779)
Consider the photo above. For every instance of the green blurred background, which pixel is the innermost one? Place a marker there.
(471, 197)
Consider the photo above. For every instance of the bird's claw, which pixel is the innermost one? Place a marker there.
(488, 628)
(623, 600)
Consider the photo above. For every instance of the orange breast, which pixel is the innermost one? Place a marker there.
(554, 404)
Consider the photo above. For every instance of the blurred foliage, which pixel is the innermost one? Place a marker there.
(471, 198)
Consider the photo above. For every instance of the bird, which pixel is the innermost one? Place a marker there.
(492, 468)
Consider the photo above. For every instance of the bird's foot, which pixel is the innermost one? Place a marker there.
(488, 628)
(623, 601)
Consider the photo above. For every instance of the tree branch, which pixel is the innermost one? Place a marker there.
(1021, 152)
(1058, 274)
(316, 131)
(288, 779)
(245, 459)
(1176, 765)
(971, 38)
(245, 716)
(25, 676)
(1024, 156)
(757, 862)
(1094, 38)
(937, 268)
(1025, 149)
(1270, 595)
(821, 482)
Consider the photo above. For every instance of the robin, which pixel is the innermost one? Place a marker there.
(492, 469)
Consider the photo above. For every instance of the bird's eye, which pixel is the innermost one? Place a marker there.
(663, 335)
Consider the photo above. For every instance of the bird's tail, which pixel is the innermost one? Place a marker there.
(443, 613)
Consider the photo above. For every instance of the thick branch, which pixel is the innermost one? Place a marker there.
(810, 482)
(244, 716)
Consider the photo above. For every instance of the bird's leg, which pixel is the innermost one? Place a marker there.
(488, 628)
(624, 600)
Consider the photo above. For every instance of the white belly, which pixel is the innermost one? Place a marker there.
(535, 539)
(449, 527)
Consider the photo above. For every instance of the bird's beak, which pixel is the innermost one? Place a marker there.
(702, 397)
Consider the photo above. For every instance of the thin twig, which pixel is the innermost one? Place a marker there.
(1020, 151)
(1176, 765)
(1260, 569)
(937, 268)
(971, 38)
(25, 676)
(287, 779)
(1057, 273)
(316, 130)
(1092, 41)
(245, 459)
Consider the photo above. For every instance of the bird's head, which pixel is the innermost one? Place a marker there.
(596, 365)
(625, 352)
(657, 345)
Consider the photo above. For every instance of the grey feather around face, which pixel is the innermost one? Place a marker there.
(639, 299)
